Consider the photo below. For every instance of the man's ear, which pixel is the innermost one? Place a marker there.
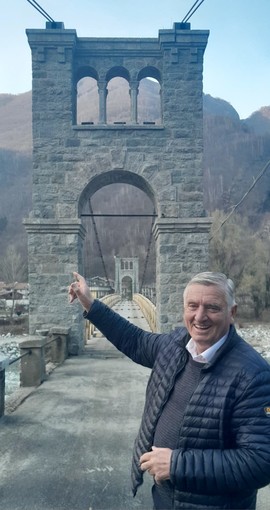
(233, 312)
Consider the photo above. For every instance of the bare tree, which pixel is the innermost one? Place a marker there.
(13, 269)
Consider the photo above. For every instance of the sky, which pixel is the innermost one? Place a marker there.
(237, 57)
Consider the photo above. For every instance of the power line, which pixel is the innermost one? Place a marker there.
(262, 172)
(192, 10)
(99, 246)
(41, 10)
(120, 215)
(148, 249)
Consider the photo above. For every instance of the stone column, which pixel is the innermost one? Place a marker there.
(54, 252)
(103, 92)
(59, 337)
(134, 101)
(182, 251)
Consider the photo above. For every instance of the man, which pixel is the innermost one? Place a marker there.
(205, 430)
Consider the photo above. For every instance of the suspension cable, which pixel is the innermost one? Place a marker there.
(261, 173)
(98, 243)
(41, 10)
(148, 250)
(192, 10)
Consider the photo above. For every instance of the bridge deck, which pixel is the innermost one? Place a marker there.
(68, 446)
(128, 309)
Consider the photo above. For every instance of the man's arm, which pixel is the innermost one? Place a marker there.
(80, 290)
(139, 345)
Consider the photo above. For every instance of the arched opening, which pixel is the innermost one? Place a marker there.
(127, 288)
(87, 101)
(125, 231)
(118, 101)
(149, 102)
(149, 96)
(87, 105)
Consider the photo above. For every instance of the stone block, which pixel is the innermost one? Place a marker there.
(33, 371)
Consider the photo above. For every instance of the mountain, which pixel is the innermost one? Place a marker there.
(216, 107)
(16, 122)
(259, 121)
(235, 151)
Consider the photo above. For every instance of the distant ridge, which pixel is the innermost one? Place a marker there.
(16, 113)
(16, 122)
(235, 150)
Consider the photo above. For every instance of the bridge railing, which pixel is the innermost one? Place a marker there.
(109, 300)
(148, 309)
(38, 353)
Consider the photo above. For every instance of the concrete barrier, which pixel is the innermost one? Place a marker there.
(33, 368)
(49, 345)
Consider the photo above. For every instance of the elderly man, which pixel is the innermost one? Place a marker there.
(205, 430)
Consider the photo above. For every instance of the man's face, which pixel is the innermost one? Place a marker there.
(206, 314)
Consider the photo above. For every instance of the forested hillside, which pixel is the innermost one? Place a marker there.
(235, 151)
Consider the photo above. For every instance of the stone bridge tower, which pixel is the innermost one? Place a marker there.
(126, 276)
(71, 161)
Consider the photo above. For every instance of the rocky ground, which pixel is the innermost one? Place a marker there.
(258, 335)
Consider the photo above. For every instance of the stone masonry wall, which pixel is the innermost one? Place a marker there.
(72, 161)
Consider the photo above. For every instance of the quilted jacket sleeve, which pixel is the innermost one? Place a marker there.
(137, 344)
(245, 467)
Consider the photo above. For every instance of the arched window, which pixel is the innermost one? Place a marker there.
(131, 265)
(122, 264)
(118, 99)
(149, 96)
(87, 106)
(87, 101)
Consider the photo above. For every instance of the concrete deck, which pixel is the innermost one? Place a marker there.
(68, 446)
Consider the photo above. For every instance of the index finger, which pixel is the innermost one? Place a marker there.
(77, 276)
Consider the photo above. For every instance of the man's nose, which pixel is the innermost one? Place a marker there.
(200, 313)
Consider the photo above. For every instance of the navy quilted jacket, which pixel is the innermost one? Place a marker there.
(223, 454)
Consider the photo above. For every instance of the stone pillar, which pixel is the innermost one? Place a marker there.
(182, 251)
(134, 102)
(4, 362)
(54, 252)
(33, 368)
(103, 92)
(59, 336)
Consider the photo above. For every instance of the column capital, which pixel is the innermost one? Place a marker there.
(134, 84)
(181, 225)
(54, 226)
(102, 85)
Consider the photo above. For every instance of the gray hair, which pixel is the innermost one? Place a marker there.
(218, 279)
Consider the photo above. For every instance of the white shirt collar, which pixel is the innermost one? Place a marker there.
(206, 355)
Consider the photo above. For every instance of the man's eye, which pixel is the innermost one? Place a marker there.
(213, 308)
(192, 306)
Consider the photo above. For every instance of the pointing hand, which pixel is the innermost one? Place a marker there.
(80, 290)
